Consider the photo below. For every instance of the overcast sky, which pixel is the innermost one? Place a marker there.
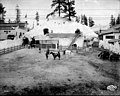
(100, 10)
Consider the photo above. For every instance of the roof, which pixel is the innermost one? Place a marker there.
(61, 35)
(114, 29)
(114, 40)
(8, 26)
(11, 24)
(117, 26)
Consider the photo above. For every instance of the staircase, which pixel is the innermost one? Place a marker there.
(73, 41)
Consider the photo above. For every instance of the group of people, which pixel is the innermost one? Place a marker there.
(27, 42)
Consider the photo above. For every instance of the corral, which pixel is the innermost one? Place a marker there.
(27, 72)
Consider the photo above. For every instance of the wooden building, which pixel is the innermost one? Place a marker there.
(111, 34)
(10, 29)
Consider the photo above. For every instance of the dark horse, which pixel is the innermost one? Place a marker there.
(25, 41)
(55, 55)
(32, 43)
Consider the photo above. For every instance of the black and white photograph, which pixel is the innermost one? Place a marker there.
(59, 47)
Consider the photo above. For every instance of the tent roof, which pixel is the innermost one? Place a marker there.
(67, 27)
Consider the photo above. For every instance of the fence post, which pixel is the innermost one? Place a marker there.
(4, 50)
(10, 49)
(17, 47)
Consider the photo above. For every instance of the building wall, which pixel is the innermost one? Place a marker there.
(104, 37)
(5, 33)
(67, 41)
(64, 41)
(116, 35)
(52, 44)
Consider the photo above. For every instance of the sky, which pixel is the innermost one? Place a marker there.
(99, 10)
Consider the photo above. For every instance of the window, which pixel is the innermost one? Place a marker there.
(6, 32)
(110, 37)
(100, 37)
(111, 43)
(119, 36)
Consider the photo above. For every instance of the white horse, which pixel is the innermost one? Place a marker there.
(68, 52)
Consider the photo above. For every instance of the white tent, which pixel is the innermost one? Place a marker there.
(63, 27)
(70, 27)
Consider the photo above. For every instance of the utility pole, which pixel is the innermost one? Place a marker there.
(17, 14)
(2, 13)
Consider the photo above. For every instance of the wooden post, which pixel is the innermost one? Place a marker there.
(4, 50)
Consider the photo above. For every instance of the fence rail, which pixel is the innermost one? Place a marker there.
(10, 49)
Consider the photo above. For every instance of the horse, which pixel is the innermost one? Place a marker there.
(25, 41)
(68, 52)
(55, 55)
(32, 43)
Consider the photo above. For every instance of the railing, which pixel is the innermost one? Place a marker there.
(11, 49)
(74, 39)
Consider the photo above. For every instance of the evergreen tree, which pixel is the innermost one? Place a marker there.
(58, 4)
(69, 10)
(85, 20)
(37, 18)
(77, 19)
(2, 13)
(63, 6)
(112, 22)
(118, 19)
(82, 19)
(91, 22)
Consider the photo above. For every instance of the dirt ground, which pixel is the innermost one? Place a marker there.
(27, 72)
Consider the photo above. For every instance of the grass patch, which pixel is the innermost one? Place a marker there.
(89, 88)
(110, 72)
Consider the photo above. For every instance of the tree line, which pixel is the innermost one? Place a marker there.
(67, 7)
(114, 21)
(60, 6)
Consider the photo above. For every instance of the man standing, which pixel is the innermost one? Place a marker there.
(47, 53)
(39, 48)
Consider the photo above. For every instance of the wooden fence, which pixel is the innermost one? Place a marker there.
(11, 49)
